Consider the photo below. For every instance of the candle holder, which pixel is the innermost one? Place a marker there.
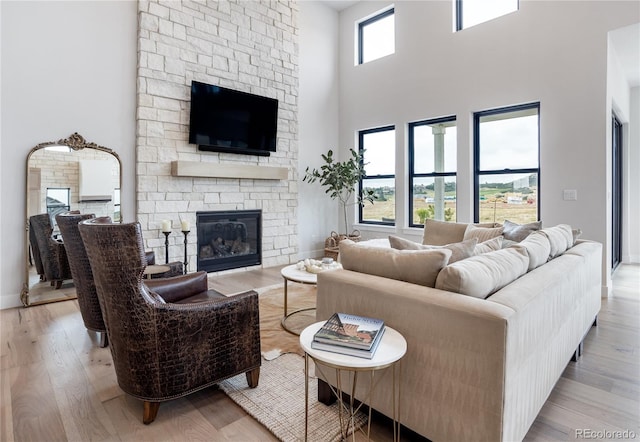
(166, 247)
(185, 263)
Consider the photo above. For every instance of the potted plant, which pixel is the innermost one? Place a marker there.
(340, 179)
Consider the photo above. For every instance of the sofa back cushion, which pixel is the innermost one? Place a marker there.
(560, 239)
(482, 275)
(538, 248)
(414, 266)
(459, 250)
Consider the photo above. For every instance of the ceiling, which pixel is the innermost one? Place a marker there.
(339, 5)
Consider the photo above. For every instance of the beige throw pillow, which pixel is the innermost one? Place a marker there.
(518, 232)
(459, 250)
(560, 239)
(414, 266)
(440, 233)
(482, 275)
(489, 245)
(482, 233)
(538, 249)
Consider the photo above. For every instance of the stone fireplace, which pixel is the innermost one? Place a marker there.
(242, 45)
(229, 239)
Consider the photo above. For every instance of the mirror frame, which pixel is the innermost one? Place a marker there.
(76, 142)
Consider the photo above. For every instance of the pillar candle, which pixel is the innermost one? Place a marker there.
(166, 225)
(185, 226)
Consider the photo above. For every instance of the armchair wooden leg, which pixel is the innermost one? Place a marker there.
(150, 412)
(252, 377)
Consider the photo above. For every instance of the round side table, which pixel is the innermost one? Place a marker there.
(291, 273)
(390, 351)
(155, 269)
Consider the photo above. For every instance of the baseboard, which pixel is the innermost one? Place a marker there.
(10, 301)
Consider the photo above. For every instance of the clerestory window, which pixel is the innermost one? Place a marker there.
(472, 12)
(376, 36)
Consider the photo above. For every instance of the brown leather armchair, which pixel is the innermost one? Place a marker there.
(165, 350)
(82, 274)
(52, 254)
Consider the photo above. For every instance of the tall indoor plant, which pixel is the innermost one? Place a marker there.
(340, 179)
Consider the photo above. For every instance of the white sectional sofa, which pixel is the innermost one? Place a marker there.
(479, 366)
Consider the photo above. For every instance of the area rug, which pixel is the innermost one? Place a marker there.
(278, 401)
(274, 339)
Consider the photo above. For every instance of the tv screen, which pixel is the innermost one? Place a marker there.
(225, 120)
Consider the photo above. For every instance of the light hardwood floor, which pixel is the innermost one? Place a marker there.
(56, 385)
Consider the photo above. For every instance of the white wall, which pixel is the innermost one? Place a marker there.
(66, 67)
(631, 161)
(319, 116)
(540, 53)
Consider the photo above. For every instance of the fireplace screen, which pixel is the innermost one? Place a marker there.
(228, 240)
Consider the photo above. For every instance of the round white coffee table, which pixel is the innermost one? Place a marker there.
(291, 273)
(391, 349)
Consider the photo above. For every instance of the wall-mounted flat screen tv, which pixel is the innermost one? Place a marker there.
(226, 120)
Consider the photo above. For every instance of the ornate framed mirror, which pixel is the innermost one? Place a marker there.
(66, 175)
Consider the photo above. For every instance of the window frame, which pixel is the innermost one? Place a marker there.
(412, 174)
(476, 155)
(366, 22)
(361, 149)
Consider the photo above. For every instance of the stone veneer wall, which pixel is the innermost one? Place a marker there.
(250, 46)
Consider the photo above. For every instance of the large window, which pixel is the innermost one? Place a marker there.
(380, 161)
(376, 37)
(507, 173)
(472, 12)
(432, 170)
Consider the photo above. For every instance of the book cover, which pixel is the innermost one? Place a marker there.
(348, 330)
(350, 351)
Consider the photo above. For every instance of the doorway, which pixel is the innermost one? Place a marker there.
(616, 216)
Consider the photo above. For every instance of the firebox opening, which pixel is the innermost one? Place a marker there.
(229, 239)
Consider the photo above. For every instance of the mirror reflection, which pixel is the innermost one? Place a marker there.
(65, 175)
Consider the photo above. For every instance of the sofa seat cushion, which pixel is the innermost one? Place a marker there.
(459, 250)
(482, 275)
(518, 232)
(414, 266)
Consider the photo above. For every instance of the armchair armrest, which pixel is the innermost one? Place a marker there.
(224, 333)
(179, 287)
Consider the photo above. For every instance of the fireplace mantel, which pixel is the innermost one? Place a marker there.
(218, 170)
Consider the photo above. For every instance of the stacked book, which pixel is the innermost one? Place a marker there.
(351, 335)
